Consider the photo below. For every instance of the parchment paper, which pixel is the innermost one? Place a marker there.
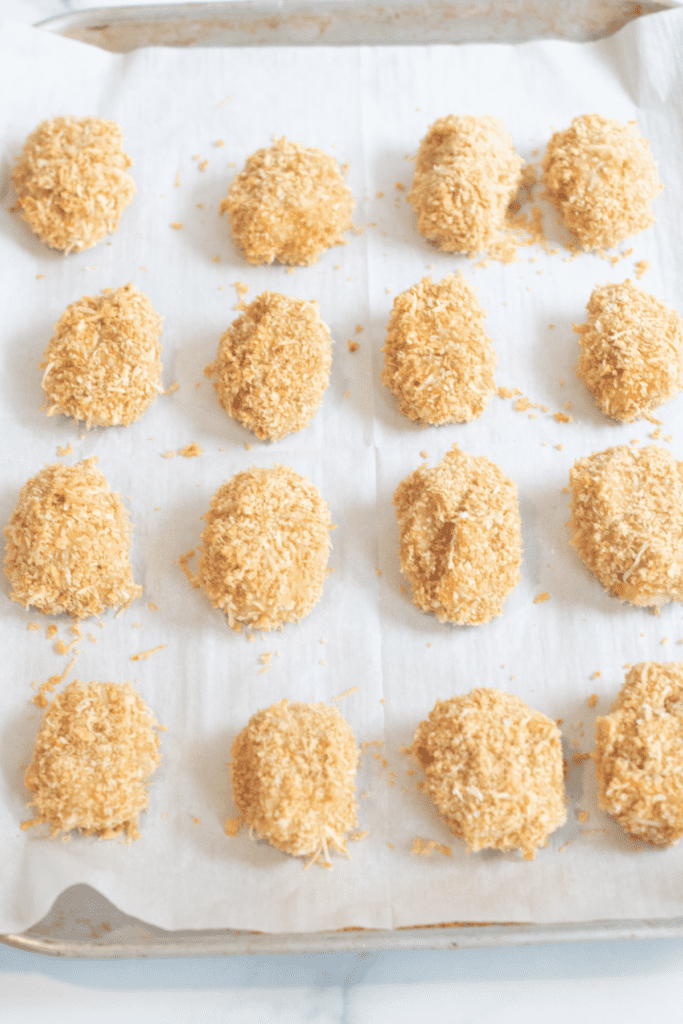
(370, 107)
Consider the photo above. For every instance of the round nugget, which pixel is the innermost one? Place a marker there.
(292, 772)
(627, 522)
(631, 357)
(438, 361)
(273, 365)
(72, 183)
(493, 768)
(68, 543)
(96, 746)
(102, 363)
(460, 537)
(600, 175)
(466, 175)
(639, 754)
(265, 548)
(290, 203)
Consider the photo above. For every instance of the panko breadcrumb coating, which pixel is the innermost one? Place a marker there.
(68, 543)
(466, 175)
(627, 522)
(102, 363)
(72, 182)
(460, 537)
(265, 548)
(293, 769)
(438, 361)
(493, 768)
(96, 746)
(600, 175)
(631, 357)
(273, 365)
(290, 203)
(639, 754)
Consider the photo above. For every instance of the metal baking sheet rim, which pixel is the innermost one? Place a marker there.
(172, 21)
(465, 936)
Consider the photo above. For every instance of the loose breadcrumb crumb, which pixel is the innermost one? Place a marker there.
(631, 357)
(592, 700)
(72, 182)
(168, 455)
(627, 522)
(61, 452)
(346, 693)
(466, 175)
(96, 746)
(545, 596)
(425, 848)
(232, 826)
(102, 363)
(460, 537)
(353, 345)
(293, 770)
(438, 361)
(265, 548)
(639, 754)
(273, 365)
(68, 542)
(191, 451)
(290, 204)
(493, 767)
(177, 224)
(642, 266)
(600, 175)
(145, 655)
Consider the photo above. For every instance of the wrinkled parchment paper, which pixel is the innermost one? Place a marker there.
(370, 106)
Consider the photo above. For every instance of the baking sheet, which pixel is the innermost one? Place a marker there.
(362, 105)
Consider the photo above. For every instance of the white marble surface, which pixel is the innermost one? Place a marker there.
(608, 982)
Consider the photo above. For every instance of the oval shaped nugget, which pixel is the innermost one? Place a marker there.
(68, 543)
(493, 768)
(600, 175)
(102, 363)
(627, 522)
(438, 361)
(290, 203)
(466, 175)
(460, 537)
(96, 746)
(273, 365)
(293, 769)
(265, 547)
(639, 754)
(631, 356)
(72, 182)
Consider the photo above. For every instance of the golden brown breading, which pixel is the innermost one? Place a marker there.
(466, 175)
(68, 543)
(293, 770)
(460, 537)
(96, 746)
(639, 753)
(493, 768)
(627, 522)
(102, 363)
(265, 548)
(273, 365)
(600, 175)
(72, 182)
(290, 203)
(631, 357)
(437, 359)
